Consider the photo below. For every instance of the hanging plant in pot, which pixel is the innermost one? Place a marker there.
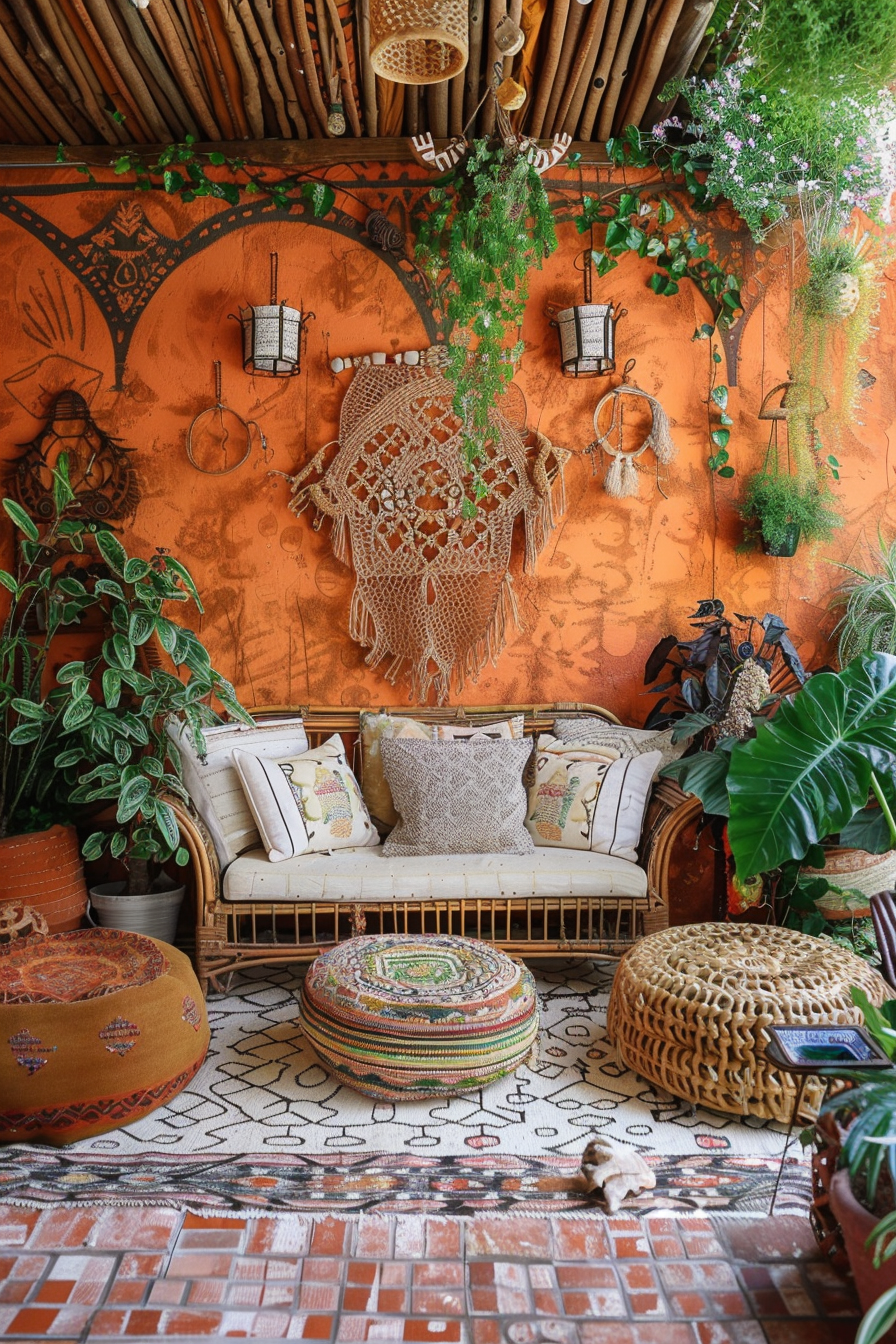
(97, 736)
(779, 510)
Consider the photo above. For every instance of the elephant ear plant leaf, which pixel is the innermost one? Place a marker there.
(810, 769)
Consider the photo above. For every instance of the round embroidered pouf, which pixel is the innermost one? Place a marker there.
(97, 1028)
(400, 1017)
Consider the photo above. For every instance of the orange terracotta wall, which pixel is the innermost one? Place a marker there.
(615, 576)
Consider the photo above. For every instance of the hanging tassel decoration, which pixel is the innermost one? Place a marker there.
(621, 478)
(660, 438)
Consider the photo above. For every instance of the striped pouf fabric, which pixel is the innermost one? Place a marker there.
(401, 1017)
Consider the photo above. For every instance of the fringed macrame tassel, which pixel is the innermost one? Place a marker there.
(621, 479)
(661, 436)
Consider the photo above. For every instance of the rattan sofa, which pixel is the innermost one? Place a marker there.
(252, 930)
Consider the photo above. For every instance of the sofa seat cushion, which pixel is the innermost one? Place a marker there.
(367, 875)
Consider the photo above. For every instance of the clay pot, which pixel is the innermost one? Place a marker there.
(43, 870)
(856, 1224)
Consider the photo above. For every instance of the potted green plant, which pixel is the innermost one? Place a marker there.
(779, 509)
(96, 738)
(868, 623)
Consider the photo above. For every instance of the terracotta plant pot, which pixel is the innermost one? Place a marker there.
(43, 869)
(856, 1224)
(787, 547)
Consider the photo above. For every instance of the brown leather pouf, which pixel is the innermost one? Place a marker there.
(97, 1028)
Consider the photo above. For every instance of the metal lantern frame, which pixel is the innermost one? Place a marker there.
(273, 334)
(587, 331)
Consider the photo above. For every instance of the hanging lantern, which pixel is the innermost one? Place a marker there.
(419, 41)
(587, 333)
(273, 335)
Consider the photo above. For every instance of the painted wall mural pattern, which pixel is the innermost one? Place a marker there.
(125, 300)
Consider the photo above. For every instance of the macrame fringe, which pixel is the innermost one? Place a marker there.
(621, 477)
(550, 498)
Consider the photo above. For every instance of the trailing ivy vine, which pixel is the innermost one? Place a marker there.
(488, 223)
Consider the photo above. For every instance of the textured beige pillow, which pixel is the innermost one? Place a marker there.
(375, 729)
(625, 741)
(455, 798)
(588, 797)
(458, 732)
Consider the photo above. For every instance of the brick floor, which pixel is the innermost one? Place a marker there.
(134, 1274)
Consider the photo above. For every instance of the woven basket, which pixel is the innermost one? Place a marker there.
(690, 1007)
(857, 869)
(419, 41)
(43, 870)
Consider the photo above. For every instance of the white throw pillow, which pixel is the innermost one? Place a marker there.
(586, 797)
(307, 802)
(460, 732)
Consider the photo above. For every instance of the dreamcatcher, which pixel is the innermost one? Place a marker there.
(432, 588)
(219, 440)
(621, 474)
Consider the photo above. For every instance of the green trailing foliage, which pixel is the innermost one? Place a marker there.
(182, 170)
(719, 422)
(489, 225)
(97, 735)
(868, 624)
(809, 45)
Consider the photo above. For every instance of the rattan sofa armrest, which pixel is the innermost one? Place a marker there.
(204, 860)
(669, 811)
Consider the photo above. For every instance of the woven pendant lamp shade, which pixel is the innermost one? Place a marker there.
(419, 41)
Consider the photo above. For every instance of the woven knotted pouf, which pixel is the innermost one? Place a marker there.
(97, 1028)
(690, 1006)
(401, 1017)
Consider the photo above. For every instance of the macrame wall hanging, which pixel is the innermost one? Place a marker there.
(622, 446)
(432, 587)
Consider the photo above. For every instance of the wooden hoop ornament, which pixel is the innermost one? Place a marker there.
(621, 475)
(206, 418)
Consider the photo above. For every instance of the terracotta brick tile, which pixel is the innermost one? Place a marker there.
(807, 1332)
(389, 1328)
(821, 1274)
(126, 1292)
(730, 1332)
(192, 1265)
(783, 1237)
(789, 1282)
(638, 1276)
(512, 1301)
(134, 1229)
(628, 1248)
(689, 1305)
(542, 1276)
(546, 1302)
(486, 1332)
(283, 1270)
(441, 1273)
(839, 1301)
(374, 1238)
(623, 1222)
(140, 1266)
(211, 1239)
(70, 1321)
(88, 1293)
(767, 1302)
(144, 1323)
(253, 1270)
(361, 1271)
(394, 1300)
(437, 1302)
(661, 1225)
(352, 1328)
(357, 1299)
(195, 1220)
(207, 1292)
(756, 1276)
(322, 1271)
(317, 1327)
(6, 1265)
(599, 1302)
(730, 1304)
(593, 1332)
(410, 1237)
(108, 1322)
(331, 1236)
(279, 1236)
(654, 1332)
(647, 1304)
(58, 1290)
(33, 1321)
(586, 1276)
(700, 1245)
(514, 1237)
(394, 1274)
(183, 1323)
(268, 1324)
(30, 1266)
(16, 1290)
(244, 1295)
(533, 1332)
(481, 1274)
(483, 1301)
(680, 1275)
(62, 1229)
(444, 1237)
(447, 1332)
(278, 1295)
(319, 1297)
(667, 1248)
(578, 1239)
(17, 1225)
